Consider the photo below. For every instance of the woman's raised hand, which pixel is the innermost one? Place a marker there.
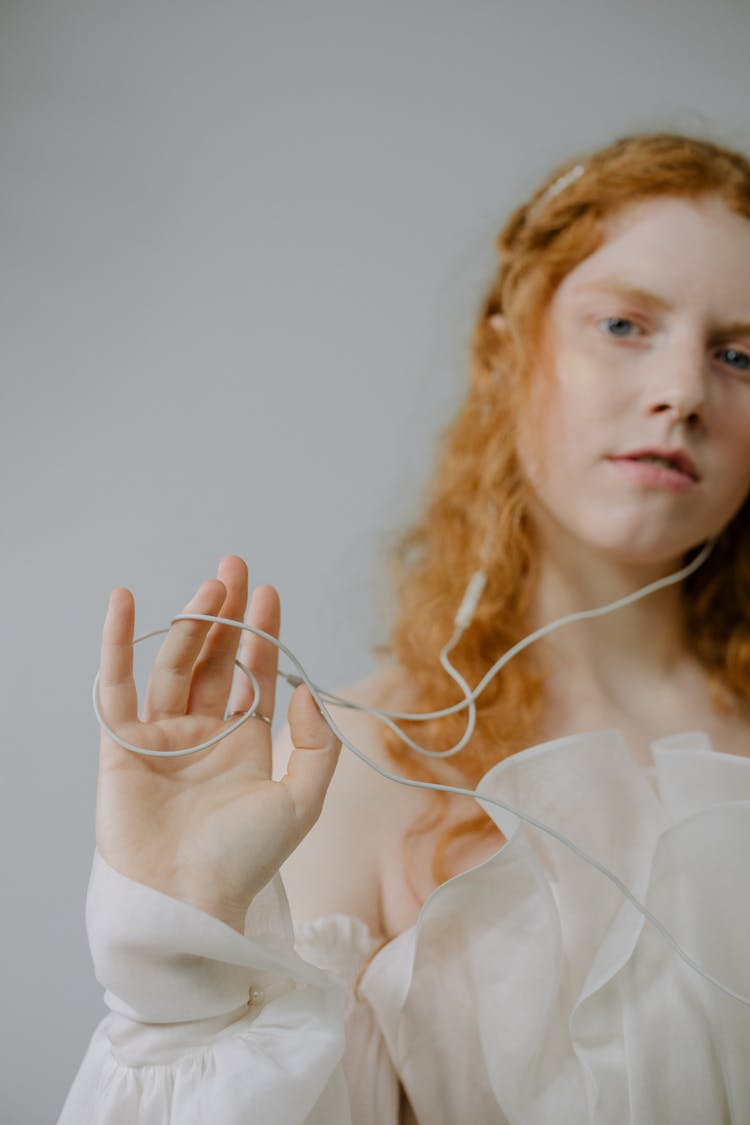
(209, 828)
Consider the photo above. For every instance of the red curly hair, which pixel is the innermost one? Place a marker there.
(432, 561)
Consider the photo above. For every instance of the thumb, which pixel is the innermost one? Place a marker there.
(313, 760)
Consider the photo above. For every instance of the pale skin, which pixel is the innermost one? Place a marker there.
(211, 829)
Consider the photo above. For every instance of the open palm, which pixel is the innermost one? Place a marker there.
(209, 828)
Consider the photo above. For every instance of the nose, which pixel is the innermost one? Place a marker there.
(679, 387)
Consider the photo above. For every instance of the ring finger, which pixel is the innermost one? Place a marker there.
(258, 654)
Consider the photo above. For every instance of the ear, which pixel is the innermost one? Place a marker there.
(497, 321)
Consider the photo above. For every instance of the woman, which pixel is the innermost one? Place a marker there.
(604, 440)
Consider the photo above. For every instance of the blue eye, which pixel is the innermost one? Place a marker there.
(738, 360)
(619, 326)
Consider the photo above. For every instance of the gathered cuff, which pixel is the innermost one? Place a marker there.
(180, 964)
(205, 1023)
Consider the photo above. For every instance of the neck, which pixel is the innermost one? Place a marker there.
(614, 658)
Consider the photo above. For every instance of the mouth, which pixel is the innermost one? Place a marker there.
(676, 462)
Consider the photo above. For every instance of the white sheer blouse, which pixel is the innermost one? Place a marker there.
(530, 991)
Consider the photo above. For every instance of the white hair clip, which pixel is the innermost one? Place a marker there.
(559, 185)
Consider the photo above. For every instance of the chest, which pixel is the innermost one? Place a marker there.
(406, 875)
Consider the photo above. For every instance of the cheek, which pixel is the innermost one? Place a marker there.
(731, 438)
(558, 428)
(741, 490)
(533, 442)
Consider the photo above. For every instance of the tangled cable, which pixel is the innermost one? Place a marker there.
(461, 621)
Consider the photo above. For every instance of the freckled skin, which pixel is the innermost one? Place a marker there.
(621, 371)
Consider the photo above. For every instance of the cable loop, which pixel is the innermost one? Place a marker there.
(469, 702)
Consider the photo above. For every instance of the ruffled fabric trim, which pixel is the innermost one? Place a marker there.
(531, 991)
(342, 946)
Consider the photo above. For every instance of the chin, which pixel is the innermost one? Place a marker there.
(634, 541)
(628, 537)
(644, 549)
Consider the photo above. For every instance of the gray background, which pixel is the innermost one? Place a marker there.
(241, 245)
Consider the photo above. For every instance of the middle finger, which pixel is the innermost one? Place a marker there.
(168, 685)
(212, 677)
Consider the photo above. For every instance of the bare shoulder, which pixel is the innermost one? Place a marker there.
(337, 869)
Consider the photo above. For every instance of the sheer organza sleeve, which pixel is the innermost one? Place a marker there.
(206, 1024)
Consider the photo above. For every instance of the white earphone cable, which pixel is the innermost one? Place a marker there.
(463, 618)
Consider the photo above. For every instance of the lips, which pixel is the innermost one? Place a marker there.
(676, 459)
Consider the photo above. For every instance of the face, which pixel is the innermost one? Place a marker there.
(646, 351)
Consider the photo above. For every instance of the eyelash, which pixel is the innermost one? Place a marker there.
(612, 320)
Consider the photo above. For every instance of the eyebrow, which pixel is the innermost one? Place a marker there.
(634, 293)
(622, 289)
